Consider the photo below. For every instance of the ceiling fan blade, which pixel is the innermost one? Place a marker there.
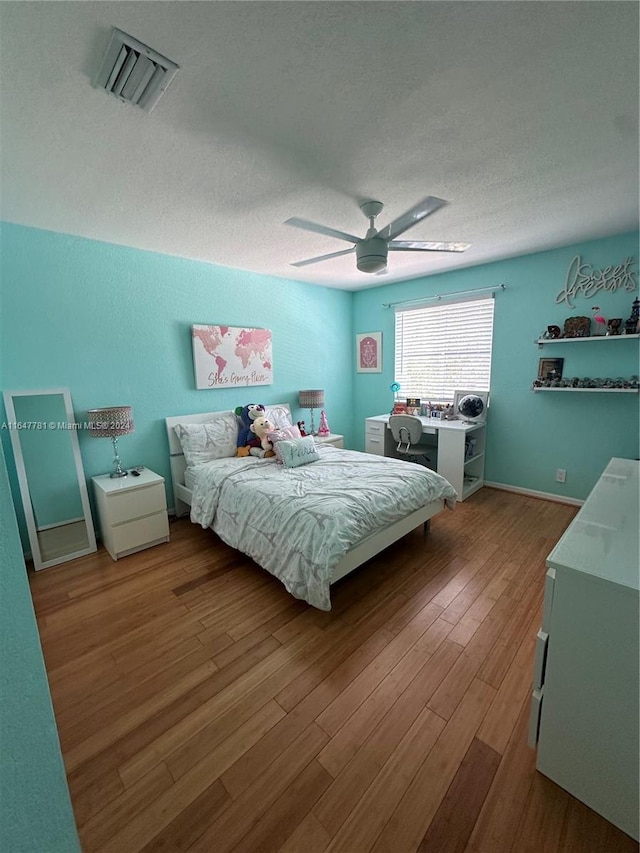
(321, 229)
(419, 211)
(422, 246)
(323, 258)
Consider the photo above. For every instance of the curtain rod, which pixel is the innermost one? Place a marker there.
(422, 299)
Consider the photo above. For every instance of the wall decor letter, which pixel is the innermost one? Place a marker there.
(583, 279)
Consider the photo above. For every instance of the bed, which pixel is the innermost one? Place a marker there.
(309, 525)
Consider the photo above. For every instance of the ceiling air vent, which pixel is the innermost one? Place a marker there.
(133, 72)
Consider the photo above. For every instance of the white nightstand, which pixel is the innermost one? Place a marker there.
(332, 438)
(132, 512)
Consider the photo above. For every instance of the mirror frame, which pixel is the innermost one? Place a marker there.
(14, 434)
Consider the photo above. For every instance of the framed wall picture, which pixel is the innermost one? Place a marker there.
(230, 357)
(369, 352)
(550, 368)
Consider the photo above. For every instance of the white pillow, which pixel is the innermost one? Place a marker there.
(216, 439)
(278, 415)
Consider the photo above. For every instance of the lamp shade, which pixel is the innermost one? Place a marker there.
(110, 422)
(311, 399)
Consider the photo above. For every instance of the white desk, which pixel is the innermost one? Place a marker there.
(449, 441)
(584, 710)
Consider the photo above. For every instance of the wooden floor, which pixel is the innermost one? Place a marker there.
(202, 708)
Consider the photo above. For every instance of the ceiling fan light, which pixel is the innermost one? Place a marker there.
(371, 263)
(371, 255)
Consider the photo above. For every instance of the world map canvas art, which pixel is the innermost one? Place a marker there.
(229, 357)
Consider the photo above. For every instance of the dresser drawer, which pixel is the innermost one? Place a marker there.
(549, 587)
(540, 660)
(140, 533)
(135, 503)
(534, 717)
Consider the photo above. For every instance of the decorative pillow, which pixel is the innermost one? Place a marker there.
(284, 434)
(214, 439)
(298, 451)
(279, 416)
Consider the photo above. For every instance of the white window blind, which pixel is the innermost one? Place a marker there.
(443, 348)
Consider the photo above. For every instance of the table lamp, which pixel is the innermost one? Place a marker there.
(112, 422)
(311, 400)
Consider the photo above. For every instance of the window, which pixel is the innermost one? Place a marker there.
(444, 347)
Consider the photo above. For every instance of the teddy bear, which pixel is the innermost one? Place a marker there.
(258, 445)
(260, 427)
(247, 415)
(249, 441)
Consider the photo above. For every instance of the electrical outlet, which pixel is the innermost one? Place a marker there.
(561, 475)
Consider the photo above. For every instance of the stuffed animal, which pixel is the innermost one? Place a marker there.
(260, 427)
(247, 415)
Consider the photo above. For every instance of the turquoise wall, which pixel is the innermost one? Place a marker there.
(113, 325)
(35, 809)
(529, 435)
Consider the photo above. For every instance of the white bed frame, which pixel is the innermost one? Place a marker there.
(359, 554)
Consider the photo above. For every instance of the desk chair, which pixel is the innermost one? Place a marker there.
(407, 431)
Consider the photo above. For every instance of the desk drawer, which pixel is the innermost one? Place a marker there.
(374, 437)
(375, 445)
(376, 428)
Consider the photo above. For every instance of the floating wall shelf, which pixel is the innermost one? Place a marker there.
(542, 341)
(593, 390)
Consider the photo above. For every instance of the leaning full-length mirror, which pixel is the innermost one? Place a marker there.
(50, 474)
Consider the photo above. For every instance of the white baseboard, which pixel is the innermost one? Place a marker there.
(532, 493)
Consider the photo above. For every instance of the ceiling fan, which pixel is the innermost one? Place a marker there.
(371, 250)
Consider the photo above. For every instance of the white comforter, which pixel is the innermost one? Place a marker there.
(299, 522)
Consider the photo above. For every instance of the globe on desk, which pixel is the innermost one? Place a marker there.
(470, 407)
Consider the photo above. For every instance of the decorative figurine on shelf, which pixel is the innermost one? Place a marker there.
(450, 413)
(577, 327)
(613, 326)
(301, 428)
(599, 320)
(323, 429)
(632, 325)
(554, 332)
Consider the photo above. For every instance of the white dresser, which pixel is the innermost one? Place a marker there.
(585, 711)
(132, 512)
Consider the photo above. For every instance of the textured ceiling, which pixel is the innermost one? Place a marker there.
(523, 115)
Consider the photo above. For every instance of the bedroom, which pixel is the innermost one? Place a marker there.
(108, 315)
